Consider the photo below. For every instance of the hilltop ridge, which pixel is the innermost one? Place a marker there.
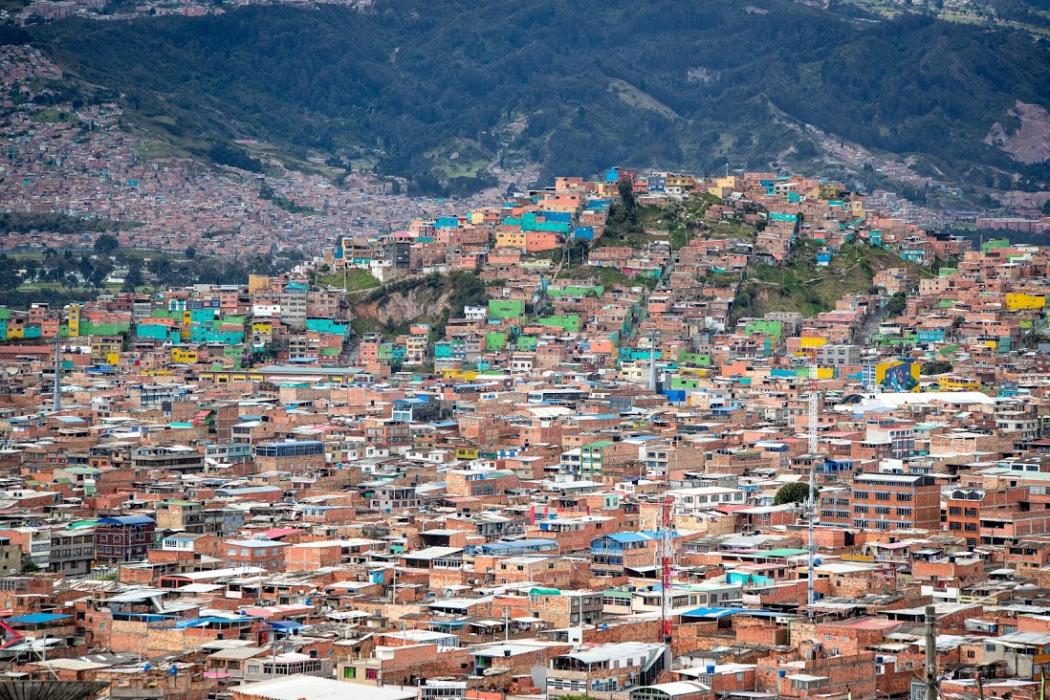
(446, 93)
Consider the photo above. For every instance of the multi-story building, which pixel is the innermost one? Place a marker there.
(895, 502)
(838, 355)
(10, 557)
(175, 458)
(191, 517)
(606, 668)
(123, 538)
(72, 551)
(295, 456)
(623, 554)
(898, 435)
(268, 554)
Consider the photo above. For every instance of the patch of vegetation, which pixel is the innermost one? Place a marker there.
(935, 367)
(462, 289)
(235, 157)
(802, 285)
(606, 276)
(55, 116)
(406, 85)
(25, 222)
(355, 280)
(11, 6)
(289, 205)
(797, 492)
(676, 222)
(364, 326)
(896, 305)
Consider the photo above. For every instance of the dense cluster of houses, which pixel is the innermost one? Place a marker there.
(226, 492)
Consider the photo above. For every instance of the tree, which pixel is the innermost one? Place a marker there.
(896, 305)
(936, 367)
(796, 492)
(85, 267)
(1046, 208)
(134, 277)
(627, 195)
(106, 244)
(191, 253)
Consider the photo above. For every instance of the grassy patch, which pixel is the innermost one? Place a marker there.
(291, 206)
(801, 285)
(364, 326)
(355, 280)
(676, 223)
(54, 116)
(605, 276)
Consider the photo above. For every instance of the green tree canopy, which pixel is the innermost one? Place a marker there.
(106, 244)
(897, 304)
(796, 492)
(936, 367)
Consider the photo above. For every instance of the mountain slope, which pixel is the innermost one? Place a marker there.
(439, 90)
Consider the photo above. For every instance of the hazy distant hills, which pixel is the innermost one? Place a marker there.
(439, 91)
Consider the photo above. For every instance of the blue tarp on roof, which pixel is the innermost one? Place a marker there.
(716, 613)
(126, 520)
(205, 621)
(36, 618)
(711, 613)
(626, 537)
(533, 544)
(286, 625)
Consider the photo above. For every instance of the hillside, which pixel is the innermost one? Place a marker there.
(392, 308)
(802, 285)
(442, 92)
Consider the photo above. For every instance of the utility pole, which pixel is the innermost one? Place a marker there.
(811, 500)
(56, 400)
(931, 654)
(666, 562)
(652, 360)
